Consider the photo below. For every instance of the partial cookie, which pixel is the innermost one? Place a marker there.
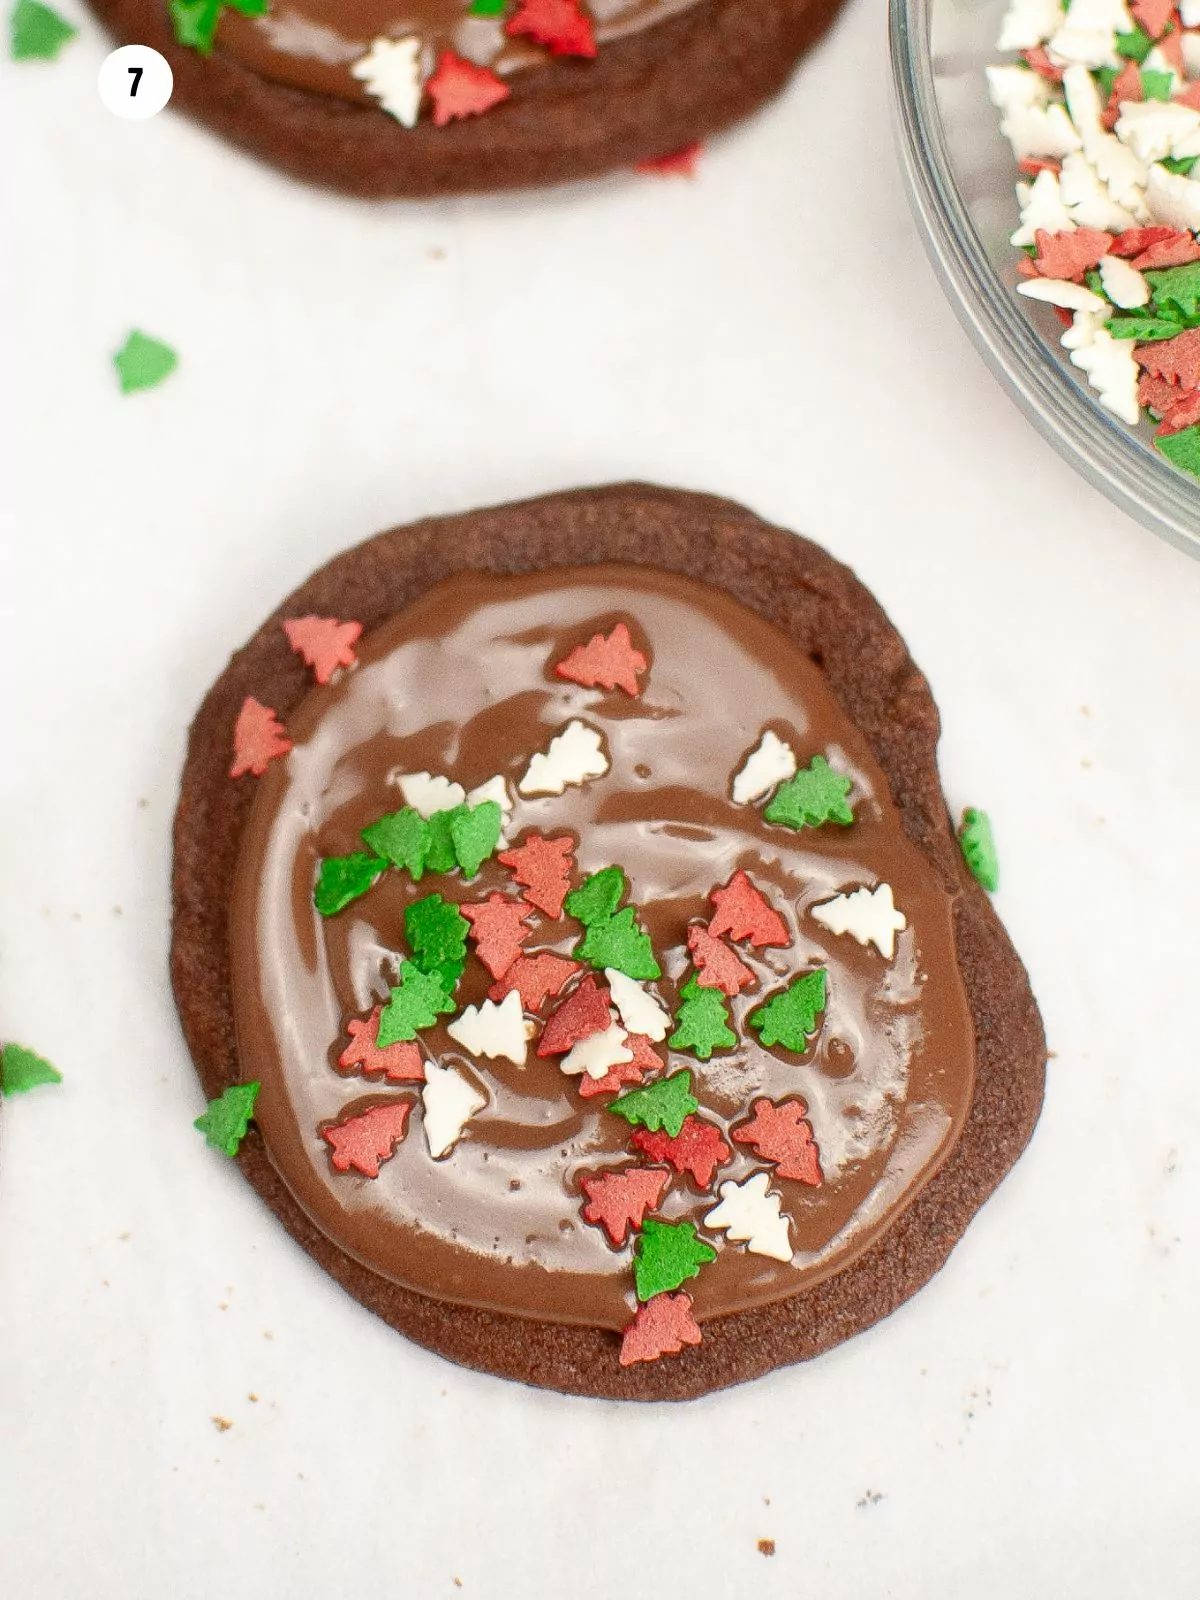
(473, 95)
(625, 1017)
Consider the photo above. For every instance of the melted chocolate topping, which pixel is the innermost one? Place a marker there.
(312, 44)
(463, 683)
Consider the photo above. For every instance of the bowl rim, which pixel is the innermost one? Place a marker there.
(1099, 447)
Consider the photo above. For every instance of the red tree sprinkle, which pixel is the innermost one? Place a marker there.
(1184, 413)
(534, 978)
(645, 1059)
(1171, 46)
(678, 164)
(1175, 252)
(661, 1328)
(1156, 394)
(581, 1014)
(607, 661)
(1070, 254)
(619, 1200)
(779, 1133)
(499, 927)
(543, 867)
(325, 643)
(258, 738)
(1042, 64)
(742, 913)
(460, 89)
(561, 25)
(1189, 96)
(1030, 166)
(1126, 86)
(397, 1063)
(1152, 16)
(1177, 359)
(364, 1142)
(697, 1148)
(1134, 240)
(717, 966)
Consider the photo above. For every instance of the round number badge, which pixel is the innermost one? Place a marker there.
(135, 82)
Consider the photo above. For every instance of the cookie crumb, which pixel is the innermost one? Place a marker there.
(253, 1398)
(766, 1547)
(458, 1583)
(871, 1498)
(222, 1424)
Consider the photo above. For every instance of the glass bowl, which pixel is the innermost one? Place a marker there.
(961, 174)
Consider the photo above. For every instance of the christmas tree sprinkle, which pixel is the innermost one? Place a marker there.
(22, 1070)
(703, 1022)
(790, 1018)
(402, 839)
(665, 1104)
(343, 879)
(667, 1254)
(978, 845)
(417, 1001)
(815, 795)
(225, 1122)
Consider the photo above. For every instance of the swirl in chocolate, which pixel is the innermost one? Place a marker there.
(463, 684)
(312, 44)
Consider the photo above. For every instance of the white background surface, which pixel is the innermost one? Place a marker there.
(771, 332)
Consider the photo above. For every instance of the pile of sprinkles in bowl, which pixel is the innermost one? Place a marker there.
(1102, 109)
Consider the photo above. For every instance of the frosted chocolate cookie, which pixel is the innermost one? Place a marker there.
(590, 946)
(431, 97)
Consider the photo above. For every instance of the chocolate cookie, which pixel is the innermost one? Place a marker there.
(625, 1017)
(462, 96)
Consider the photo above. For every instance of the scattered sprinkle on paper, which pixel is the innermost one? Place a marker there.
(37, 32)
(22, 1069)
(143, 362)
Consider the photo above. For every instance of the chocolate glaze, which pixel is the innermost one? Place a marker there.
(313, 43)
(462, 683)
